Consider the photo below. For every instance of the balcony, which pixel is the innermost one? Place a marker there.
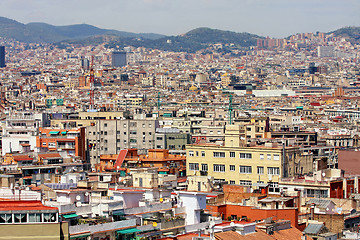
(150, 208)
(106, 227)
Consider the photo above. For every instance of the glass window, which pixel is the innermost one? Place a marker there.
(219, 168)
(203, 153)
(276, 157)
(191, 153)
(5, 218)
(34, 217)
(232, 154)
(232, 167)
(219, 154)
(193, 166)
(261, 156)
(245, 169)
(268, 156)
(245, 155)
(245, 182)
(20, 218)
(273, 171)
(204, 167)
(260, 170)
(49, 217)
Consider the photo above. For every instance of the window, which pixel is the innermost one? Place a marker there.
(202, 153)
(197, 153)
(49, 217)
(34, 217)
(219, 168)
(219, 132)
(245, 155)
(204, 167)
(133, 140)
(274, 187)
(159, 138)
(245, 182)
(273, 171)
(105, 133)
(6, 218)
(245, 169)
(20, 218)
(232, 182)
(260, 170)
(232, 167)
(117, 132)
(191, 153)
(133, 132)
(261, 156)
(269, 157)
(232, 154)
(276, 157)
(105, 124)
(52, 145)
(193, 166)
(219, 154)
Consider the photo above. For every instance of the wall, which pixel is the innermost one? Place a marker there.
(334, 222)
(253, 214)
(46, 231)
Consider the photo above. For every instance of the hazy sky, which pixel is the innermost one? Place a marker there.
(275, 18)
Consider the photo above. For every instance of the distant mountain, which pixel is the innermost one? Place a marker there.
(208, 36)
(192, 41)
(46, 33)
(351, 33)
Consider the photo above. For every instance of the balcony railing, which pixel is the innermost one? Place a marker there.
(111, 226)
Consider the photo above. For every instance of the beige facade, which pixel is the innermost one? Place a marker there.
(237, 163)
(46, 231)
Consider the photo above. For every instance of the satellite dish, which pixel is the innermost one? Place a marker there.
(323, 174)
(339, 210)
(78, 204)
(78, 197)
(86, 194)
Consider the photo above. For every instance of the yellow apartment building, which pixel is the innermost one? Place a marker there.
(239, 164)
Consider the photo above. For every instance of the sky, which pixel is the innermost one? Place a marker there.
(274, 18)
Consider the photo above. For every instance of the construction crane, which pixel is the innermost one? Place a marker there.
(92, 80)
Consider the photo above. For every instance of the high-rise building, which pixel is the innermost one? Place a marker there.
(118, 59)
(2, 56)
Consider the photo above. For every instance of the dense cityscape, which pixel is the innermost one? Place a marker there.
(113, 140)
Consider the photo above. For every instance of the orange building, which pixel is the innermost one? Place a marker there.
(159, 158)
(252, 214)
(70, 140)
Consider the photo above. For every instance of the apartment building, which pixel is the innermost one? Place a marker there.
(110, 136)
(20, 131)
(238, 164)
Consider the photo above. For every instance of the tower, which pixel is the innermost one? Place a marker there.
(118, 59)
(2, 56)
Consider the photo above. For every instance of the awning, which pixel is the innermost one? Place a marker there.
(128, 231)
(54, 132)
(70, 216)
(80, 236)
(63, 132)
(118, 213)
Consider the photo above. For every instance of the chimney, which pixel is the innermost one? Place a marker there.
(312, 211)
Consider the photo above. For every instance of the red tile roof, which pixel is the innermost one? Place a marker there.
(23, 205)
